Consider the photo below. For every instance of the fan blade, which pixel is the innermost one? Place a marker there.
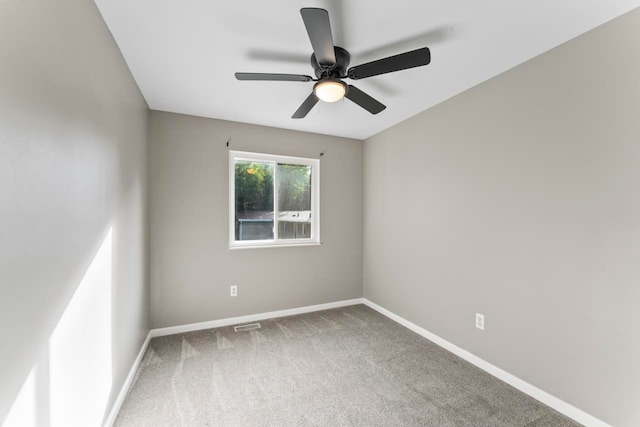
(306, 106)
(319, 29)
(364, 100)
(414, 58)
(274, 77)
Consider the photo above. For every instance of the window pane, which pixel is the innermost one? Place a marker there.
(294, 201)
(254, 200)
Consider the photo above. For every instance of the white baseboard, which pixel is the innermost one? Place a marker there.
(533, 391)
(208, 325)
(544, 397)
(127, 383)
(251, 318)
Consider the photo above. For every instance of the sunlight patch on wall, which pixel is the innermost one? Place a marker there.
(80, 351)
(24, 410)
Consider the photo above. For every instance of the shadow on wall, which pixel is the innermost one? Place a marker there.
(71, 383)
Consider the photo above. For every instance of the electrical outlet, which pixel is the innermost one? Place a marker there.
(234, 291)
(480, 321)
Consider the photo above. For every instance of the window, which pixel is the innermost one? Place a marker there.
(274, 200)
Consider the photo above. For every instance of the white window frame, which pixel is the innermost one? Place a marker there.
(315, 200)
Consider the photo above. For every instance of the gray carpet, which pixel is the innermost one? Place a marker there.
(344, 367)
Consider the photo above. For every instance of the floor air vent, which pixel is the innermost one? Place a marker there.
(247, 327)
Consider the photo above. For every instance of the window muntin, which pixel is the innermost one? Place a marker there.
(274, 200)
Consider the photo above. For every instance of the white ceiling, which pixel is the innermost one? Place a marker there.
(183, 54)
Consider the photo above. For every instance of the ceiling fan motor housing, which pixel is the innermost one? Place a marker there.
(337, 70)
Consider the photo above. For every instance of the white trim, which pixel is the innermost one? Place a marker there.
(275, 245)
(208, 325)
(171, 330)
(274, 159)
(127, 383)
(538, 394)
(533, 391)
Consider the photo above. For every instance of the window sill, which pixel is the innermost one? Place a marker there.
(283, 245)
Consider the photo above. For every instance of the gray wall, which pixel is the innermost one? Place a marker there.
(191, 264)
(73, 130)
(526, 189)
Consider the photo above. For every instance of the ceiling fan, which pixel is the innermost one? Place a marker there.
(330, 65)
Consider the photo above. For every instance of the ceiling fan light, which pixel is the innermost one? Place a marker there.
(330, 90)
